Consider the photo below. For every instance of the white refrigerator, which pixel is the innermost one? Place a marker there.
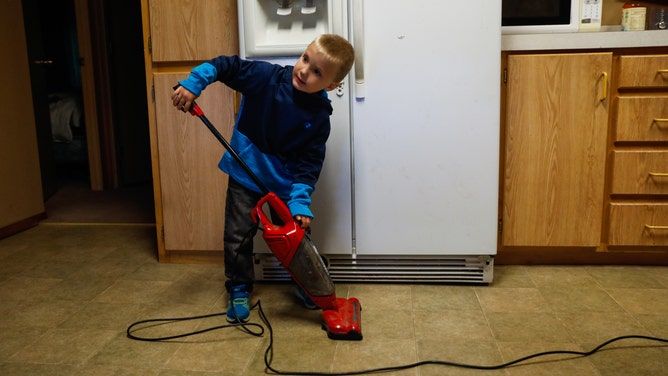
(409, 189)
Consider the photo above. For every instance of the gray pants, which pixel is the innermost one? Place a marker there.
(238, 236)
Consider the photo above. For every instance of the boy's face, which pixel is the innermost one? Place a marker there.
(314, 72)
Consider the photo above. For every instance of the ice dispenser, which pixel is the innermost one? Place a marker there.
(280, 28)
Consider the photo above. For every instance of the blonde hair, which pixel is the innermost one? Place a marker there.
(338, 50)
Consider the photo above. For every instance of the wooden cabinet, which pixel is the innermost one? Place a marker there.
(556, 126)
(638, 209)
(584, 158)
(189, 188)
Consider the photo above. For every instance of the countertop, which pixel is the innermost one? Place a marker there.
(575, 41)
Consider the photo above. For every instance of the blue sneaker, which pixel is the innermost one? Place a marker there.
(304, 299)
(238, 308)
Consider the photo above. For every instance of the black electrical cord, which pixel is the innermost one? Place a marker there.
(269, 352)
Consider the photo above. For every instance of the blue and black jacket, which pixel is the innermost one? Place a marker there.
(280, 132)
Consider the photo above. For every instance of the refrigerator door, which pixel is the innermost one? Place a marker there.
(426, 132)
(281, 39)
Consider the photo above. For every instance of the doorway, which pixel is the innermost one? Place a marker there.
(119, 104)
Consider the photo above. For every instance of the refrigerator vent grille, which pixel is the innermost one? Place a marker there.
(396, 269)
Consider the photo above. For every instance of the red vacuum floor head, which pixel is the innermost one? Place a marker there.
(345, 321)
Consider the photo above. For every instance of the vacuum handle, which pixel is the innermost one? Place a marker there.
(195, 110)
(278, 206)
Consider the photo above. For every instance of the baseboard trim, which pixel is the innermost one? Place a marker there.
(21, 225)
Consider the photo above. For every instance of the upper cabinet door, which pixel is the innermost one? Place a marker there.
(555, 145)
(193, 30)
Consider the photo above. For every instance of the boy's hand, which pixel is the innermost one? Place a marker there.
(182, 98)
(303, 221)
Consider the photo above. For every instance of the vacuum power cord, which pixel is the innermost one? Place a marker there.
(269, 352)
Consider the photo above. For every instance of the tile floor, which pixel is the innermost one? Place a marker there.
(68, 293)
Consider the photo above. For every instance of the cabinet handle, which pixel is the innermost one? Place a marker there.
(660, 120)
(652, 227)
(658, 174)
(604, 75)
(662, 71)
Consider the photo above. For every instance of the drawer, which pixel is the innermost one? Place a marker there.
(642, 118)
(643, 71)
(638, 224)
(640, 172)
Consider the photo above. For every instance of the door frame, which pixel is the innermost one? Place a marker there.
(89, 96)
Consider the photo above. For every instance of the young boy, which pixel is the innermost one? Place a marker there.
(280, 133)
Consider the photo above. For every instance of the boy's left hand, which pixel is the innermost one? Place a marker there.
(303, 221)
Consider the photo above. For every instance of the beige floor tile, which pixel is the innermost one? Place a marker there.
(38, 314)
(225, 356)
(512, 276)
(511, 300)
(591, 327)
(643, 301)
(111, 316)
(28, 369)
(153, 271)
(109, 267)
(84, 253)
(27, 288)
(659, 273)
(53, 269)
(97, 370)
(124, 352)
(129, 291)
(451, 326)
(388, 324)
(625, 277)
(379, 297)
(656, 324)
(559, 276)
(439, 297)
(190, 289)
(78, 289)
(527, 327)
(13, 340)
(64, 346)
(579, 299)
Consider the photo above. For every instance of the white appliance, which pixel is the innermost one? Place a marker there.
(409, 189)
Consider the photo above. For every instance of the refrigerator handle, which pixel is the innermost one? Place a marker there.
(358, 43)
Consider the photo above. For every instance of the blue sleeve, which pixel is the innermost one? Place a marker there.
(300, 200)
(200, 77)
(238, 74)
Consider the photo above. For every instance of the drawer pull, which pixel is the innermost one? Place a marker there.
(652, 227)
(658, 174)
(660, 120)
(662, 71)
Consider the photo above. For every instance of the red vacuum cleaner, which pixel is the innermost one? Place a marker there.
(341, 317)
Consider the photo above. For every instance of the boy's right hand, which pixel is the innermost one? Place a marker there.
(182, 98)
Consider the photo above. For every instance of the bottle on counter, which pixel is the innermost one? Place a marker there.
(633, 16)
